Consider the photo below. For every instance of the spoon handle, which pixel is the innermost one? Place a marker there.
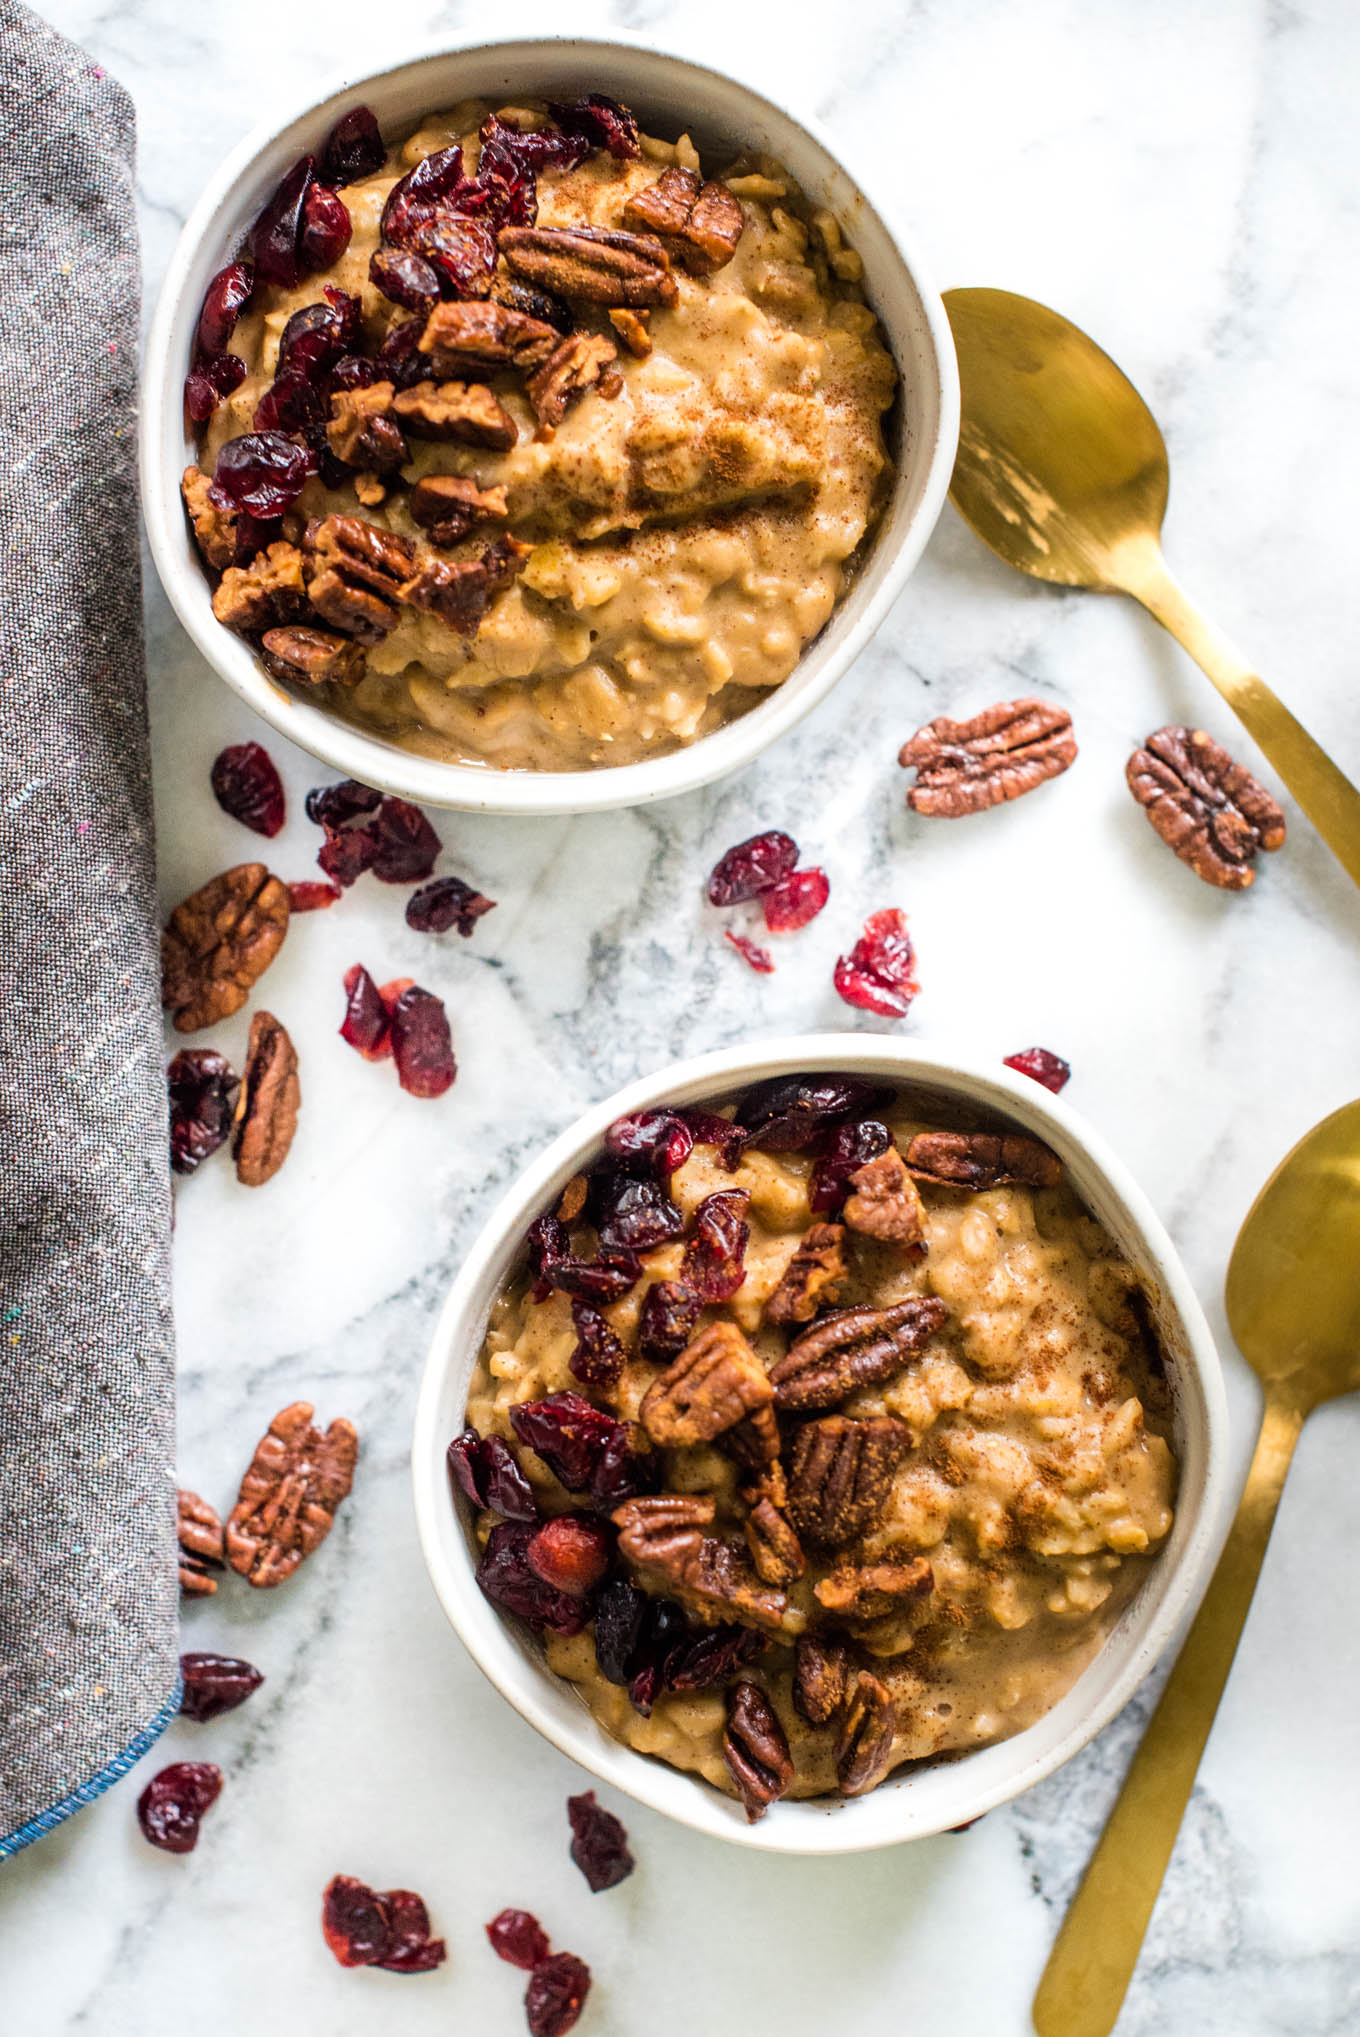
(1092, 1962)
(1325, 794)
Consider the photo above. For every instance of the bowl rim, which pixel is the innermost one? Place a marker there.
(1011, 1766)
(432, 781)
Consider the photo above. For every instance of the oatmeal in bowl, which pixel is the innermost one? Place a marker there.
(826, 1439)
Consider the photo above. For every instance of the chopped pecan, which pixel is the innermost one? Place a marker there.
(312, 657)
(821, 1677)
(355, 575)
(966, 766)
(460, 591)
(864, 1742)
(472, 340)
(569, 370)
(269, 590)
(884, 1202)
(296, 1480)
(769, 1481)
(756, 1749)
(704, 220)
(722, 1584)
(214, 529)
(850, 1348)
(868, 1591)
(456, 410)
(502, 562)
(665, 1535)
(219, 941)
(982, 1160)
(267, 1110)
(573, 1199)
(533, 303)
(815, 1275)
(370, 491)
(449, 505)
(715, 1382)
(775, 1549)
(754, 1443)
(591, 262)
(360, 431)
(631, 327)
(1207, 808)
(201, 1546)
(842, 1474)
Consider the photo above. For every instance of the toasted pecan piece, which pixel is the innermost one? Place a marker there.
(460, 591)
(868, 1591)
(1000, 754)
(470, 340)
(289, 1495)
(884, 1202)
(455, 410)
(775, 1549)
(574, 364)
(201, 1546)
(842, 1474)
(754, 1443)
(361, 431)
(851, 1348)
(821, 1676)
(813, 1277)
(756, 1749)
(269, 1102)
(355, 574)
(448, 506)
(269, 590)
(311, 657)
(1205, 806)
(864, 1742)
(704, 221)
(715, 1382)
(214, 529)
(980, 1160)
(592, 263)
(664, 1537)
(631, 327)
(218, 943)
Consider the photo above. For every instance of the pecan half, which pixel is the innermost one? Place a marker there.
(775, 1549)
(449, 505)
(269, 590)
(842, 1474)
(715, 1382)
(1207, 808)
(591, 262)
(982, 1160)
(821, 1677)
(574, 364)
(296, 1480)
(704, 220)
(355, 574)
(360, 431)
(631, 327)
(201, 1546)
(966, 766)
(850, 1348)
(311, 657)
(868, 1591)
(455, 410)
(460, 591)
(214, 529)
(663, 1532)
(267, 1110)
(665, 1536)
(756, 1749)
(472, 340)
(814, 1276)
(220, 940)
(864, 1743)
(884, 1203)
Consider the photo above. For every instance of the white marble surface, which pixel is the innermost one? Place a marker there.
(1186, 182)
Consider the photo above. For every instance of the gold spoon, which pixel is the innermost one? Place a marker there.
(1062, 471)
(1293, 1297)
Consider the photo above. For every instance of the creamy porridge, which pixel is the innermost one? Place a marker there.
(649, 451)
(873, 1411)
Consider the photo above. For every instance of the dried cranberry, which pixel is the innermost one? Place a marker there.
(399, 359)
(461, 251)
(214, 1684)
(795, 900)
(290, 404)
(354, 148)
(602, 1279)
(422, 1045)
(411, 202)
(714, 1264)
(254, 534)
(571, 1553)
(308, 896)
(518, 1938)
(710, 1657)
(391, 1930)
(365, 1024)
(752, 954)
(506, 1579)
(330, 806)
(262, 473)
(1041, 1066)
(345, 854)
(753, 866)
(318, 336)
(170, 1808)
(405, 278)
(209, 381)
(620, 1612)
(878, 974)
(465, 1466)
(352, 371)
(656, 1138)
(543, 148)
(566, 1432)
(632, 1215)
(787, 1113)
(223, 302)
(602, 121)
(405, 846)
(326, 229)
(203, 1094)
(849, 1146)
(556, 1994)
(711, 1128)
(246, 785)
(547, 1242)
(623, 1470)
(410, 1948)
(670, 1315)
(487, 1470)
(663, 1630)
(276, 233)
(448, 902)
(598, 1357)
(599, 1843)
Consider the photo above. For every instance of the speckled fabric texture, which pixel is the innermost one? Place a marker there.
(88, 1594)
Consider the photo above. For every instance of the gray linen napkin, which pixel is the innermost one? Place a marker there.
(88, 1594)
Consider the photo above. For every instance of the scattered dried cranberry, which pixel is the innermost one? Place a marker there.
(422, 1045)
(354, 148)
(598, 1357)
(352, 371)
(663, 1630)
(571, 1553)
(547, 1243)
(246, 785)
(656, 1138)
(850, 1146)
(170, 1808)
(223, 302)
(879, 972)
(209, 381)
(566, 1432)
(262, 473)
(309, 896)
(518, 1938)
(331, 806)
(318, 336)
(556, 1994)
(399, 359)
(599, 1843)
(448, 902)
(203, 1092)
(412, 202)
(506, 1579)
(404, 277)
(620, 1614)
(632, 1215)
(602, 1279)
(753, 866)
(463, 251)
(253, 534)
(711, 1128)
(214, 1684)
(406, 847)
(543, 148)
(622, 1470)
(326, 229)
(391, 1930)
(1037, 1062)
(714, 1264)
(276, 233)
(757, 958)
(602, 121)
(410, 1947)
(795, 900)
(365, 1024)
(710, 1657)
(787, 1113)
(290, 404)
(487, 1470)
(670, 1315)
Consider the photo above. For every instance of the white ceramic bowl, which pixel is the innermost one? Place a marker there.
(920, 1801)
(669, 94)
